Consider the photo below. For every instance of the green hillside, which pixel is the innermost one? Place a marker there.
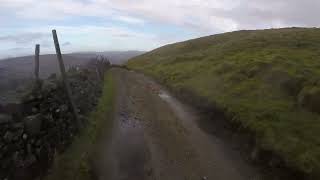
(266, 80)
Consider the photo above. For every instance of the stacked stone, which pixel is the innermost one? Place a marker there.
(43, 124)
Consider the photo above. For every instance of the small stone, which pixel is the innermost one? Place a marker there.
(8, 136)
(24, 136)
(49, 86)
(204, 178)
(17, 134)
(64, 108)
(34, 110)
(18, 125)
(33, 124)
(57, 110)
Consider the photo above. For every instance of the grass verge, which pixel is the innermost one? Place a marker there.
(265, 80)
(74, 163)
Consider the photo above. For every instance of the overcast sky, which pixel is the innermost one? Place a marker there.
(99, 25)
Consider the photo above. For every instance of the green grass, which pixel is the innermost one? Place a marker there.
(266, 80)
(74, 164)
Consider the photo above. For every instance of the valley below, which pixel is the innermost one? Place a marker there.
(16, 74)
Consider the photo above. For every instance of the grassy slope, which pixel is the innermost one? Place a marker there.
(268, 80)
(74, 164)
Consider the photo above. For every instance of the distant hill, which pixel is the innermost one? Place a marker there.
(266, 80)
(116, 57)
(22, 67)
(17, 72)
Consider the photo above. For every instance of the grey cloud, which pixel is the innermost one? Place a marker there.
(265, 13)
(46, 44)
(17, 49)
(124, 35)
(201, 16)
(213, 15)
(24, 38)
(66, 43)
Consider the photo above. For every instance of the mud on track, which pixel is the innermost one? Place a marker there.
(157, 137)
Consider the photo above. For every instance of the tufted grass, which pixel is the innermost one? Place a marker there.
(266, 80)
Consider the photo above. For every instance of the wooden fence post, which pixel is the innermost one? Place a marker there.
(36, 59)
(65, 79)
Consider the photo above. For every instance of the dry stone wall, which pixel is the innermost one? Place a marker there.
(32, 132)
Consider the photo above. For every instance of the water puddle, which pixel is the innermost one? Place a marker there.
(128, 150)
(179, 109)
(163, 95)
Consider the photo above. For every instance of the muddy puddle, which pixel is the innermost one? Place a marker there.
(127, 155)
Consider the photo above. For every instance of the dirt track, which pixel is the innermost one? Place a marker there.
(157, 137)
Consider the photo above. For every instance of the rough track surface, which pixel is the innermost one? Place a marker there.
(157, 137)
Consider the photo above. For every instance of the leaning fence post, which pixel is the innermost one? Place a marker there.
(64, 77)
